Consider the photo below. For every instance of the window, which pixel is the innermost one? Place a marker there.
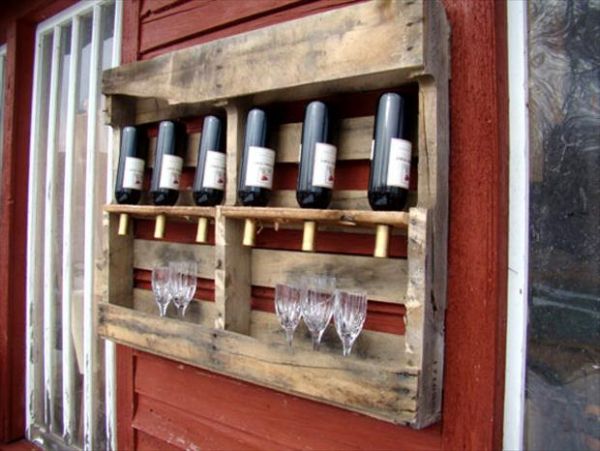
(69, 388)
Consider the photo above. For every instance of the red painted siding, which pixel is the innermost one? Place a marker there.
(218, 412)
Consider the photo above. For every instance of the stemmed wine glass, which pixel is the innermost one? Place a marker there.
(349, 315)
(317, 305)
(189, 272)
(288, 300)
(161, 276)
(182, 284)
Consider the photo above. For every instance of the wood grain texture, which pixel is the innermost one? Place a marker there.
(348, 218)
(282, 421)
(167, 26)
(383, 389)
(329, 52)
(237, 269)
(475, 321)
(270, 267)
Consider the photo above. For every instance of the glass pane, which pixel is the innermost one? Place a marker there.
(563, 361)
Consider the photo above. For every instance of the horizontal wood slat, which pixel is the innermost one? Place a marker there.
(271, 267)
(367, 44)
(374, 389)
(288, 421)
(163, 25)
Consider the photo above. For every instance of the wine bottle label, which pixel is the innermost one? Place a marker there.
(324, 165)
(214, 170)
(399, 163)
(170, 172)
(259, 167)
(133, 174)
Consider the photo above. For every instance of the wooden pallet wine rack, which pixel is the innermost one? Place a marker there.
(368, 46)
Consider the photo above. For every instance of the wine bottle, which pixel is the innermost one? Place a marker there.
(130, 172)
(256, 169)
(168, 163)
(316, 174)
(389, 176)
(209, 181)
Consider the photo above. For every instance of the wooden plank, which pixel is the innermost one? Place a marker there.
(147, 254)
(150, 211)
(341, 200)
(232, 261)
(383, 279)
(270, 267)
(288, 422)
(382, 48)
(232, 275)
(163, 25)
(352, 383)
(198, 312)
(265, 327)
(355, 135)
(348, 218)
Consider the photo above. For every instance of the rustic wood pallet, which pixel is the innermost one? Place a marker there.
(369, 46)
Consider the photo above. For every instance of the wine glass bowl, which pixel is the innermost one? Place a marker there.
(288, 307)
(161, 277)
(317, 305)
(349, 315)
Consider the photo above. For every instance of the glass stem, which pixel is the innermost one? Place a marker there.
(347, 343)
(289, 335)
(162, 309)
(316, 340)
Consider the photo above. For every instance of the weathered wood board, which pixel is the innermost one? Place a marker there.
(361, 385)
(368, 46)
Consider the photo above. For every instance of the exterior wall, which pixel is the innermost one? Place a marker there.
(164, 404)
(158, 397)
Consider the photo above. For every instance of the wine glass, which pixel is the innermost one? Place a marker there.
(317, 305)
(176, 288)
(183, 284)
(288, 300)
(161, 277)
(189, 270)
(349, 315)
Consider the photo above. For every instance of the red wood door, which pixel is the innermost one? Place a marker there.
(164, 404)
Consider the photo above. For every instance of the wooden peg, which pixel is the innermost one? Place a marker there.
(202, 230)
(308, 237)
(382, 238)
(159, 227)
(249, 232)
(123, 223)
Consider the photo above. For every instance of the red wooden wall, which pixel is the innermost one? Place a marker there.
(216, 412)
(158, 397)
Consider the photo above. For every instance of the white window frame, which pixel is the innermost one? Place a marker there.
(518, 228)
(38, 367)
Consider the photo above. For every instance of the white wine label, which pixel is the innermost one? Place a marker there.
(170, 172)
(259, 167)
(399, 163)
(324, 165)
(133, 174)
(214, 170)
